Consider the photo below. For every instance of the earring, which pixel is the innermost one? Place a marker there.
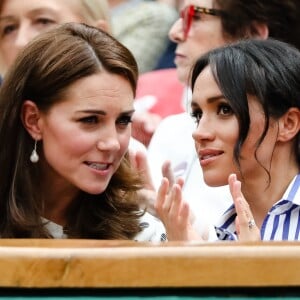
(34, 158)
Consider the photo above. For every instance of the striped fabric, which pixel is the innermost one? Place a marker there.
(281, 223)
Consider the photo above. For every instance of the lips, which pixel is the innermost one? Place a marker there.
(208, 154)
(97, 166)
(179, 55)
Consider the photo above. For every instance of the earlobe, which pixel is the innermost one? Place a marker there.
(289, 125)
(30, 116)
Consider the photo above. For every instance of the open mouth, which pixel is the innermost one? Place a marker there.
(97, 166)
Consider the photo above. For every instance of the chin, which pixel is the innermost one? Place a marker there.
(214, 181)
(95, 190)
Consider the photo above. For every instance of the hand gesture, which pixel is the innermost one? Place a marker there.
(147, 194)
(175, 212)
(245, 223)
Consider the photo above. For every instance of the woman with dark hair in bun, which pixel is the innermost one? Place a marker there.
(246, 104)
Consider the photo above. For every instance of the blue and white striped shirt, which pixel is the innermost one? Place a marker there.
(281, 223)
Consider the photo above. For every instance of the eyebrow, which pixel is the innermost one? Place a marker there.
(104, 113)
(209, 100)
(6, 18)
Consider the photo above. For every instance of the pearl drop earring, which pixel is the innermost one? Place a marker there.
(34, 158)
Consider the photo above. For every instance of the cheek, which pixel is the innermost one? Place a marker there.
(124, 142)
(254, 134)
(66, 143)
(8, 55)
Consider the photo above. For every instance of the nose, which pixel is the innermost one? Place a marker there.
(176, 33)
(109, 141)
(204, 131)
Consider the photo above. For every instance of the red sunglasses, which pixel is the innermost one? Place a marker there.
(190, 11)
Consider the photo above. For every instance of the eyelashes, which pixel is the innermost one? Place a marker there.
(196, 115)
(125, 120)
(222, 110)
(95, 119)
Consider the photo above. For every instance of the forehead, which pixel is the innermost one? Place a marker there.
(205, 84)
(101, 88)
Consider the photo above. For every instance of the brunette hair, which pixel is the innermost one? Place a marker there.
(267, 69)
(42, 72)
(281, 17)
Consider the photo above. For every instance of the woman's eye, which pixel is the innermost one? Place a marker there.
(124, 120)
(197, 17)
(45, 21)
(196, 115)
(225, 109)
(89, 120)
(8, 29)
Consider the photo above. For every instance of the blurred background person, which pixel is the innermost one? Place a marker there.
(20, 21)
(143, 26)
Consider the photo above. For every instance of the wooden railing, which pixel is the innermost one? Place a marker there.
(109, 264)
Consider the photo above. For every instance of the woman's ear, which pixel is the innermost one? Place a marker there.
(259, 30)
(30, 116)
(289, 125)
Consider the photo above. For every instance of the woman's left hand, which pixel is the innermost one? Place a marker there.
(245, 223)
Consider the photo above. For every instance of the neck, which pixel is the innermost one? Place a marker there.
(262, 192)
(58, 197)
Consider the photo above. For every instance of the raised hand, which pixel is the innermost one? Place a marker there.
(147, 194)
(167, 172)
(139, 162)
(245, 223)
(175, 212)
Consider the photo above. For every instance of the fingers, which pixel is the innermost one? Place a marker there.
(161, 197)
(168, 172)
(174, 212)
(232, 180)
(180, 182)
(139, 161)
(176, 203)
(245, 224)
(132, 160)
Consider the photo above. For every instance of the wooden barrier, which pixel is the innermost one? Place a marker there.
(116, 264)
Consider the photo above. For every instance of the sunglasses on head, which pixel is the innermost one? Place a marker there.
(190, 11)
